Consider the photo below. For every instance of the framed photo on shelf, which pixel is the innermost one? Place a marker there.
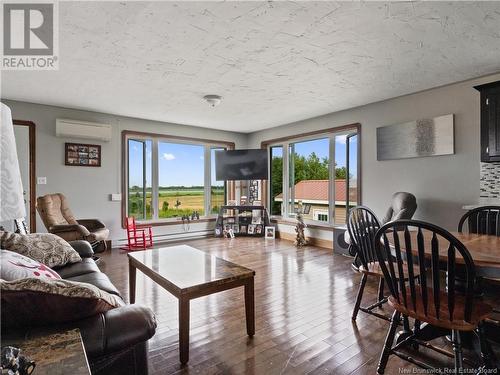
(270, 233)
(258, 229)
(251, 229)
(256, 219)
(218, 231)
(236, 229)
(82, 155)
(243, 229)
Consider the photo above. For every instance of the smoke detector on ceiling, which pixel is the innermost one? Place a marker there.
(213, 100)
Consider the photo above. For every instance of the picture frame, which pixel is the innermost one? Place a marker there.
(258, 229)
(270, 233)
(236, 229)
(82, 155)
(256, 219)
(243, 229)
(251, 229)
(218, 231)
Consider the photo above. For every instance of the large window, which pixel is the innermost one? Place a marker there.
(167, 178)
(318, 174)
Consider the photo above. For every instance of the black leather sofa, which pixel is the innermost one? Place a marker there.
(115, 341)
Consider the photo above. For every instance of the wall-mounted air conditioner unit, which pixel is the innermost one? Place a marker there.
(82, 129)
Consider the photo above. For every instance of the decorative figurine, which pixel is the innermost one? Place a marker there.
(13, 363)
(300, 238)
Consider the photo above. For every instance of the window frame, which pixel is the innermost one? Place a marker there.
(285, 142)
(156, 138)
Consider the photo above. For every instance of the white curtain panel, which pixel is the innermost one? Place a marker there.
(11, 187)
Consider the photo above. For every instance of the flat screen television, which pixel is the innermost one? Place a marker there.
(241, 165)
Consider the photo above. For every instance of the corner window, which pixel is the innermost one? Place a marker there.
(318, 172)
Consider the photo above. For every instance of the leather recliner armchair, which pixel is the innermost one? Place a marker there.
(58, 219)
(403, 206)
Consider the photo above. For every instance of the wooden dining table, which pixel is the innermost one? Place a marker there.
(484, 249)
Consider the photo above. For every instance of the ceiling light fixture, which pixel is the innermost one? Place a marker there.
(213, 100)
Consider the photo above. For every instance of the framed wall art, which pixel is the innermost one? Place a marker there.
(82, 155)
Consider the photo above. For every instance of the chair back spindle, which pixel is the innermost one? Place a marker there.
(428, 250)
(481, 220)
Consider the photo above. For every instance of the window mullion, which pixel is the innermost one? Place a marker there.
(286, 183)
(208, 179)
(155, 205)
(331, 180)
(144, 182)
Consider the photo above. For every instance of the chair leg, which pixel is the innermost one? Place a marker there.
(457, 349)
(406, 324)
(359, 297)
(386, 352)
(381, 289)
(487, 356)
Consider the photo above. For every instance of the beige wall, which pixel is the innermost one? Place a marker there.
(88, 189)
(442, 184)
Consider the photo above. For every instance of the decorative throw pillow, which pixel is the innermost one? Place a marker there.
(45, 248)
(14, 266)
(38, 302)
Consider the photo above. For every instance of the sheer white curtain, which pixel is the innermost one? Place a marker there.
(11, 187)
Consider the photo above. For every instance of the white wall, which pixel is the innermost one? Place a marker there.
(442, 184)
(87, 188)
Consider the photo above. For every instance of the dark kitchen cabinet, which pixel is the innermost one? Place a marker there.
(490, 121)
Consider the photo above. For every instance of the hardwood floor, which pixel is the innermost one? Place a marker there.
(303, 304)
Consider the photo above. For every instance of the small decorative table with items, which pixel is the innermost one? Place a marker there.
(53, 354)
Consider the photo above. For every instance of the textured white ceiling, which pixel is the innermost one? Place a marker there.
(273, 62)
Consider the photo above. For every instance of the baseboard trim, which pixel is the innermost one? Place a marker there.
(311, 240)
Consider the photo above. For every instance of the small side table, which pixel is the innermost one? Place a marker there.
(54, 354)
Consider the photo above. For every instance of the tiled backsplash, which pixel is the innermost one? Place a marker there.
(490, 180)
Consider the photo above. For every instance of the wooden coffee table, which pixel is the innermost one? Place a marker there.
(189, 273)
